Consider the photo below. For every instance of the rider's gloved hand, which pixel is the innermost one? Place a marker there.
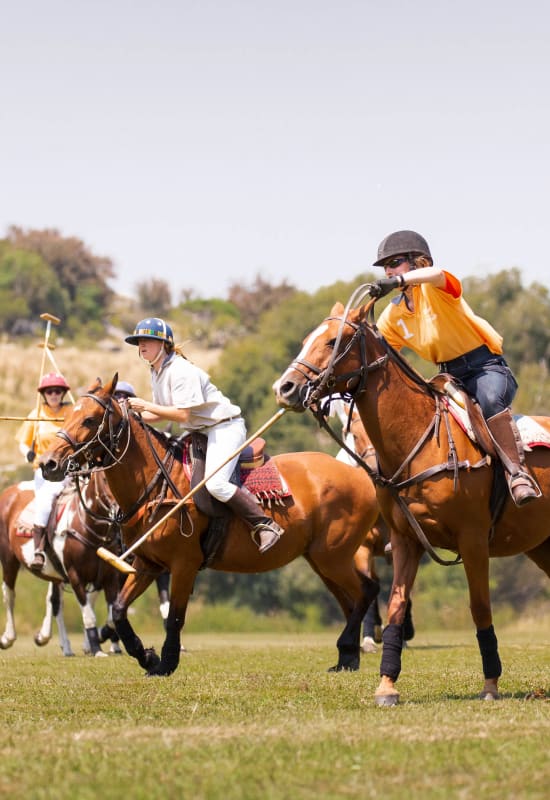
(31, 455)
(386, 285)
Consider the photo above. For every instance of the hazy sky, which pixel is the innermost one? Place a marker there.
(207, 141)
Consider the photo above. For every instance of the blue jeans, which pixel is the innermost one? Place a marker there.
(485, 376)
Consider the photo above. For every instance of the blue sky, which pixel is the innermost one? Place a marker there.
(208, 142)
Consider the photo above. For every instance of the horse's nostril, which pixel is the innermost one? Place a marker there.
(286, 388)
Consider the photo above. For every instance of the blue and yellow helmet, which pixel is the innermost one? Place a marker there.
(151, 328)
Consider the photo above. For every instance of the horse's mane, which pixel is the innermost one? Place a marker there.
(396, 356)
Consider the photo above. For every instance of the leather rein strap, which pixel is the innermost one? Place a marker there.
(325, 378)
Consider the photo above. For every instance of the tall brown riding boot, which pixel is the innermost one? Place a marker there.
(245, 506)
(509, 446)
(39, 537)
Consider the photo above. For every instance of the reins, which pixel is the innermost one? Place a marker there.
(355, 384)
(111, 447)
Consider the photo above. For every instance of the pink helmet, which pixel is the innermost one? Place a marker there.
(53, 380)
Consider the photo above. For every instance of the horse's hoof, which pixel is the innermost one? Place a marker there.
(100, 654)
(352, 667)
(68, 654)
(386, 700)
(490, 696)
(368, 645)
(5, 643)
(39, 641)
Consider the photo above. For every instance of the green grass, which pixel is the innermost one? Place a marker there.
(257, 716)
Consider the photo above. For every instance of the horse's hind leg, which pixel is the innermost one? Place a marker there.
(354, 591)
(54, 608)
(91, 633)
(541, 556)
(9, 636)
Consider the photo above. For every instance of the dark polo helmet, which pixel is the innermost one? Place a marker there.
(402, 243)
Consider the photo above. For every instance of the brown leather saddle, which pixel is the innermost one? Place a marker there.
(448, 386)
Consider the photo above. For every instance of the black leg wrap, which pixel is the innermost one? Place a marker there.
(131, 642)
(488, 647)
(392, 644)
(372, 618)
(107, 633)
(93, 640)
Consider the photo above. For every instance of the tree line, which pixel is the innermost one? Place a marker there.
(260, 328)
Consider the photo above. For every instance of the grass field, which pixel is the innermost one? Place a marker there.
(257, 716)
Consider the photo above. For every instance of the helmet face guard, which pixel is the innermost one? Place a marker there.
(151, 328)
(402, 243)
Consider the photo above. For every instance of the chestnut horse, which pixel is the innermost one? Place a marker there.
(82, 526)
(329, 508)
(433, 482)
(377, 542)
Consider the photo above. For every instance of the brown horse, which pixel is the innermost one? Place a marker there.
(377, 542)
(434, 482)
(325, 515)
(82, 525)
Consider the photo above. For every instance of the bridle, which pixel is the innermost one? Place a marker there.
(105, 450)
(355, 382)
(99, 452)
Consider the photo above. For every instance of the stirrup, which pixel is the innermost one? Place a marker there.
(269, 534)
(527, 488)
(37, 564)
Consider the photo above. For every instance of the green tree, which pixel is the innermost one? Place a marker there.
(28, 287)
(154, 297)
(76, 268)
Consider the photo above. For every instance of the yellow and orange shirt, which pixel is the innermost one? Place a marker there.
(442, 325)
(40, 435)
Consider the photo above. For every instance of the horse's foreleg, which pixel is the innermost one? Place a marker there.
(90, 625)
(108, 632)
(9, 636)
(181, 588)
(476, 566)
(133, 587)
(406, 558)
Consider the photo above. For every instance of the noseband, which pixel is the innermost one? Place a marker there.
(355, 380)
(108, 446)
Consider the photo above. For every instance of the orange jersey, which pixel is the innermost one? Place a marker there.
(442, 325)
(43, 432)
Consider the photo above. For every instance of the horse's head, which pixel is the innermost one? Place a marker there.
(90, 438)
(332, 360)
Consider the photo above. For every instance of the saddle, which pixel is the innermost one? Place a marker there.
(255, 471)
(467, 412)
(56, 523)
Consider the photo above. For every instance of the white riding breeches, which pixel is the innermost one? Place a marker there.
(223, 439)
(45, 493)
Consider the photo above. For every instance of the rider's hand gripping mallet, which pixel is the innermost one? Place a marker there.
(118, 561)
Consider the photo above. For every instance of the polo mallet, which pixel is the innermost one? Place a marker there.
(56, 368)
(49, 320)
(34, 419)
(118, 561)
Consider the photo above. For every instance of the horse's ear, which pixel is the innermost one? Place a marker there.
(363, 311)
(337, 310)
(93, 387)
(110, 387)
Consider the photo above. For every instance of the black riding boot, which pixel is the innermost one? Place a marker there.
(39, 537)
(507, 439)
(245, 506)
